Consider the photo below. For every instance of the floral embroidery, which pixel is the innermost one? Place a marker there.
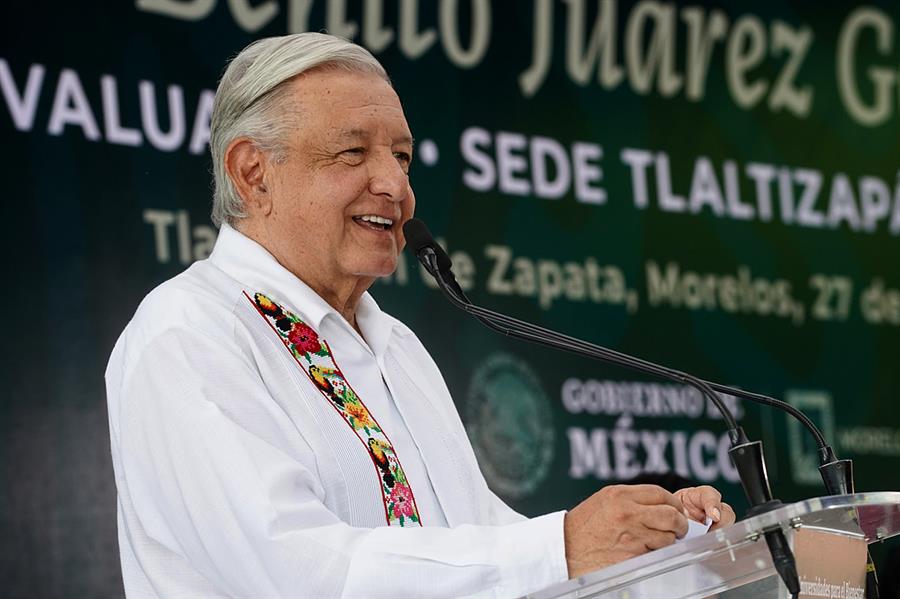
(314, 355)
(401, 503)
(360, 416)
(304, 338)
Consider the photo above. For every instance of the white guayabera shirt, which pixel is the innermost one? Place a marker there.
(237, 477)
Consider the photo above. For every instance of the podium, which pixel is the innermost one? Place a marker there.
(734, 563)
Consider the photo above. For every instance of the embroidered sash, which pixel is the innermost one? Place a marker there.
(314, 357)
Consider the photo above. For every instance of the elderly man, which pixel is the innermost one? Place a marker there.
(274, 433)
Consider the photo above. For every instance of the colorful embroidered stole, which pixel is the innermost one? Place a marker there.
(306, 346)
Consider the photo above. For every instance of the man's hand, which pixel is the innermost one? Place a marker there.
(703, 502)
(619, 522)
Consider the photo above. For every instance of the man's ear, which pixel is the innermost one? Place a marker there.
(246, 164)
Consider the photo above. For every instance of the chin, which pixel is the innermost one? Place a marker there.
(377, 268)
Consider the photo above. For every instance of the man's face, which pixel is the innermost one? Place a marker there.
(340, 198)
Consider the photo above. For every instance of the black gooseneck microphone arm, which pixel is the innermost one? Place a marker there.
(837, 474)
(746, 455)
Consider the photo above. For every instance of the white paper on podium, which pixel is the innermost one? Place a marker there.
(695, 529)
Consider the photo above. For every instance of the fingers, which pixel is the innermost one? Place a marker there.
(693, 511)
(702, 502)
(657, 539)
(691, 505)
(664, 518)
(728, 517)
(654, 495)
(711, 500)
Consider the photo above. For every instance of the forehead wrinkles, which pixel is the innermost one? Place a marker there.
(370, 111)
(364, 123)
(341, 90)
(398, 133)
(345, 108)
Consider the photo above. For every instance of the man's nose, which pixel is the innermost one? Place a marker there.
(387, 177)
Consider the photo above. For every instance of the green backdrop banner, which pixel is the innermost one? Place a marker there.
(714, 188)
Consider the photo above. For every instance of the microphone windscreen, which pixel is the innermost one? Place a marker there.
(417, 235)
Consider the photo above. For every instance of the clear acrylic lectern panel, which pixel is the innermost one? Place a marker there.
(735, 563)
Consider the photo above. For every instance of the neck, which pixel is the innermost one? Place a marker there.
(342, 297)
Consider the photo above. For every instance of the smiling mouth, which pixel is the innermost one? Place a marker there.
(375, 223)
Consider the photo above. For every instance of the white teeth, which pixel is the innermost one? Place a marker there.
(377, 219)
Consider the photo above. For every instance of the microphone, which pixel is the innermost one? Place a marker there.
(836, 474)
(437, 263)
(746, 455)
(431, 254)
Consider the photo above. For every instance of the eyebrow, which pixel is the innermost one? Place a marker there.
(348, 134)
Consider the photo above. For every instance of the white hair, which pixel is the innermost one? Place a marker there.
(251, 100)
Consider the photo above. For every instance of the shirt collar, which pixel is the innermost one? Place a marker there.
(254, 267)
(375, 325)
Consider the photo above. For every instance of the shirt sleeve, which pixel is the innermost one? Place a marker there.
(207, 483)
(502, 513)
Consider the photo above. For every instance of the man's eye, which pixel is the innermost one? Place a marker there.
(353, 156)
(403, 157)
